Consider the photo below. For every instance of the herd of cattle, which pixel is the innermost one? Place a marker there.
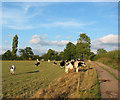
(72, 64)
(68, 64)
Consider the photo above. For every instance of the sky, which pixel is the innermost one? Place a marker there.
(51, 25)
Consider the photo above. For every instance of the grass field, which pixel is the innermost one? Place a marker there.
(28, 78)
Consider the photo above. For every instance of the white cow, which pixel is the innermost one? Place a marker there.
(48, 60)
(68, 66)
(38, 60)
(12, 69)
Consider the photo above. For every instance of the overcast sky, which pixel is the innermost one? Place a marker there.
(51, 25)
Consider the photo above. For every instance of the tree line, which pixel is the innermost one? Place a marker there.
(72, 51)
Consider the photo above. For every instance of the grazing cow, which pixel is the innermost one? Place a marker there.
(68, 60)
(78, 63)
(42, 59)
(38, 62)
(68, 66)
(81, 63)
(62, 63)
(72, 62)
(48, 60)
(12, 69)
(54, 63)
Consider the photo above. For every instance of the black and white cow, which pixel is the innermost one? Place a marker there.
(62, 63)
(12, 69)
(38, 62)
(78, 64)
(54, 63)
(82, 63)
(69, 65)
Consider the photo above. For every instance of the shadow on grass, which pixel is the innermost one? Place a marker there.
(99, 82)
(84, 70)
(33, 72)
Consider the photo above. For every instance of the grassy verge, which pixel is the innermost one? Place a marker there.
(109, 72)
(90, 85)
(110, 62)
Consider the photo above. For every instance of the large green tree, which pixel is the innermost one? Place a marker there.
(26, 53)
(70, 51)
(7, 55)
(14, 45)
(51, 54)
(83, 46)
(61, 55)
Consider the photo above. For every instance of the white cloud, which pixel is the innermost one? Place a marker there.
(4, 49)
(44, 36)
(40, 51)
(20, 27)
(62, 42)
(35, 40)
(40, 41)
(6, 41)
(68, 37)
(58, 36)
(75, 42)
(10, 36)
(67, 24)
(19, 18)
(94, 51)
(56, 43)
(35, 36)
(109, 42)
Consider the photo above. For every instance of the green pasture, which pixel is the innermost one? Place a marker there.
(28, 78)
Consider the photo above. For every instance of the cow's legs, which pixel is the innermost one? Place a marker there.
(77, 69)
(66, 70)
